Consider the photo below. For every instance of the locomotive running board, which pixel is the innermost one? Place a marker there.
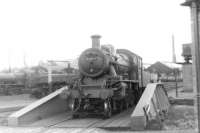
(43, 108)
(153, 105)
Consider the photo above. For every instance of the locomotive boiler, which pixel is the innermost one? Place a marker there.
(110, 80)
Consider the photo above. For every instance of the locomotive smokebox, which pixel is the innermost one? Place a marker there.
(96, 41)
(93, 63)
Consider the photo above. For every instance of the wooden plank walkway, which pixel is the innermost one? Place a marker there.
(79, 130)
(65, 121)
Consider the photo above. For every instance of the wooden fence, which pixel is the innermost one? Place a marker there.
(172, 85)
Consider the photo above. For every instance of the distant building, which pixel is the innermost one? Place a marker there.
(165, 71)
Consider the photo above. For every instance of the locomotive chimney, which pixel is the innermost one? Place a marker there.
(96, 41)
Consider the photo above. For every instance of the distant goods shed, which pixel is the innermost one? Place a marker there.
(165, 71)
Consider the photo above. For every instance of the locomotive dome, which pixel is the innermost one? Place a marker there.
(92, 62)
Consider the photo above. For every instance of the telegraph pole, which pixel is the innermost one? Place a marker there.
(9, 64)
(173, 51)
(24, 60)
(174, 61)
(50, 79)
(195, 12)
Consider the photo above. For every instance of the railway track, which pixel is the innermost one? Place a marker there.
(88, 124)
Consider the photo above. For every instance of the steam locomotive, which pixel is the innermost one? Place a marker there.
(110, 80)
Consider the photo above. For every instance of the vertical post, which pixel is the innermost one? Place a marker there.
(9, 62)
(194, 5)
(50, 79)
(196, 55)
(175, 76)
(173, 51)
(174, 61)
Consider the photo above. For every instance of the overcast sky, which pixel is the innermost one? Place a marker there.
(61, 29)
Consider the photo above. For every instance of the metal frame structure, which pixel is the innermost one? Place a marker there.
(195, 16)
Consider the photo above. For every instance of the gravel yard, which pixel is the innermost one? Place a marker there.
(180, 117)
(15, 100)
(10, 104)
(181, 114)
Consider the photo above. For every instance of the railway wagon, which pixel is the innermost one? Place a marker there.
(110, 80)
(11, 83)
(34, 82)
(40, 86)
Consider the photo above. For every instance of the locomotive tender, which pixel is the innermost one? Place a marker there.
(110, 80)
